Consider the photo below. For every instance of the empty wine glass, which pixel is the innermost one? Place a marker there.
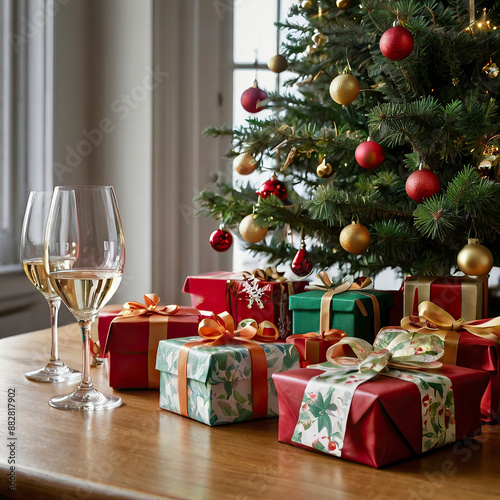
(32, 238)
(85, 230)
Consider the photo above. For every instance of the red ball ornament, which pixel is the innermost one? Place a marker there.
(422, 184)
(221, 240)
(251, 97)
(396, 43)
(273, 186)
(369, 154)
(301, 263)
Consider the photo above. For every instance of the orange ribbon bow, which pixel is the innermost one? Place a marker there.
(150, 307)
(219, 330)
(158, 325)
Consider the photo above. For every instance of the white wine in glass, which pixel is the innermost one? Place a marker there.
(84, 227)
(32, 239)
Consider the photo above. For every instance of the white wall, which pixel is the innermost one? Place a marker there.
(104, 117)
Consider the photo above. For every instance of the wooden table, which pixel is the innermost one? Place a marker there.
(140, 451)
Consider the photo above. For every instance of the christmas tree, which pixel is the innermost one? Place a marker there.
(385, 148)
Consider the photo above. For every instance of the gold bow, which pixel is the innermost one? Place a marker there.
(433, 319)
(331, 290)
(328, 285)
(269, 274)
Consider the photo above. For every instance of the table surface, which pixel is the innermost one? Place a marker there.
(140, 451)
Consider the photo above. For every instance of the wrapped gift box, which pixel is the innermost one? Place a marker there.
(384, 424)
(219, 379)
(462, 297)
(482, 354)
(106, 315)
(260, 300)
(351, 312)
(131, 344)
(465, 349)
(312, 347)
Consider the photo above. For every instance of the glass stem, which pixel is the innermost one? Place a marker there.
(86, 382)
(54, 305)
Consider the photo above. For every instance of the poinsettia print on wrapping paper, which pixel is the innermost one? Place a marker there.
(437, 403)
(325, 409)
(327, 400)
(219, 380)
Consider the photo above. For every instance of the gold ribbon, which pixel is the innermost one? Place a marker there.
(269, 274)
(219, 330)
(326, 300)
(158, 327)
(471, 289)
(433, 319)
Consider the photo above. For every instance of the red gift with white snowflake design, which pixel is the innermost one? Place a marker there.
(257, 295)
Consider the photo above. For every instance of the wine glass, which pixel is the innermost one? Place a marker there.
(84, 228)
(32, 238)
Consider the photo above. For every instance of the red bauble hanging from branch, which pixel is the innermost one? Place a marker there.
(397, 43)
(301, 263)
(252, 97)
(221, 240)
(273, 186)
(422, 184)
(369, 154)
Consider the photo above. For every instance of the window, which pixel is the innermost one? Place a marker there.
(26, 113)
(256, 40)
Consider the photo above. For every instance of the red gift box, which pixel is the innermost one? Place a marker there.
(312, 346)
(464, 349)
(258, 299)
(482, 354)
(384, 423)
(462, 297)
(131, 343)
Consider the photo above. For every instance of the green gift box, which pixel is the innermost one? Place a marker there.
(219, 379)
(351, 311)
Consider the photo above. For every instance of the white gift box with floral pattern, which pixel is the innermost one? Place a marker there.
(219, 383)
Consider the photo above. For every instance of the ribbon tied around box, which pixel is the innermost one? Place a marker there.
(331, 290)
(402, 349)
(219, 330)
(315, 343)
(158, 325)
(328, 397)
(432, 319)
(269, 274)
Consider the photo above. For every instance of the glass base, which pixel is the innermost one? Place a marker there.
(83, 399)
(54, 371)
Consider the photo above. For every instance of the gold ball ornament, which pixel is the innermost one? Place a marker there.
(486, 169)
(318, 38)
(251, 231)
(343, 4)
(490, 70)
(474, 259)
(324, 169)
(277, 63)
(244, 164)
(355, 238)
(344, 89)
